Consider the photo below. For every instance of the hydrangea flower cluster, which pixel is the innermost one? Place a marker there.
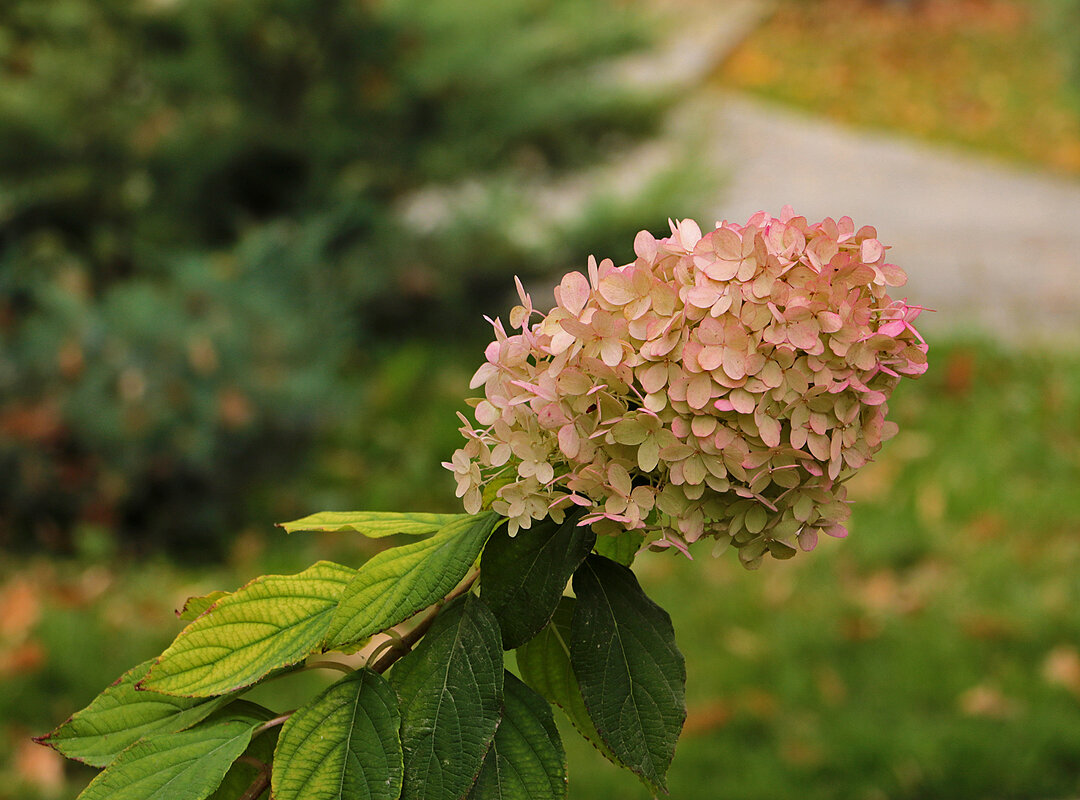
(720, 386)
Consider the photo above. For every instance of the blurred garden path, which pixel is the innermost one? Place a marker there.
(991, 247)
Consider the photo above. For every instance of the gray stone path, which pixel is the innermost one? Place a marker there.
(990, 247)
(993, 248)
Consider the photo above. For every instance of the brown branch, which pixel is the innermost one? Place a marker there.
(402, 647)
(260, 783)
(330, 664)
(272, 723)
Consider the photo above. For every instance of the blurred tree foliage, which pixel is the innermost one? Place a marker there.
(205, 215)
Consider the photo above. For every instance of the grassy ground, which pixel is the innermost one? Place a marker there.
(985, 74)
(933, 654)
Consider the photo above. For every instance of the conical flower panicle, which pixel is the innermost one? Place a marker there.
(719, 386)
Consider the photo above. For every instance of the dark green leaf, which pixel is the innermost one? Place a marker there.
(523, 577)
(188, 765)
(526, 760)
(373, 524)
(121, 715)
(544, 663)
(397, 583)
(621, 547)
(632, 676)
(451, 690)
(273, 622)
(342, 745)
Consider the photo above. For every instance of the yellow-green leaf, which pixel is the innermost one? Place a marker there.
(344, 744)
(397, 583)
(243, 772)
(620, 547)
(175, 766)
(196, 606)
(273, 622)
(121, 715)
(374, 524)
(260, 750)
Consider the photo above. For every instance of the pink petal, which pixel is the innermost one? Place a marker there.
(483, 375)
(769, 429)
(874, 398)
(699, 392)
(617, 289)
(611, 352)
(710, 357)
(645, 246)
(727, 244)
(689, 234)
(871, 251)
(572, 292)
(894, 276)
(703, 296)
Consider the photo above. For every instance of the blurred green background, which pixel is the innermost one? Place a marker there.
(245, 248)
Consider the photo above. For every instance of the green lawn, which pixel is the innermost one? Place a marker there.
(933, 654)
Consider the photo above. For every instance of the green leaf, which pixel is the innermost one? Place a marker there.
(342, 745)
(374, 524)
(621, 547)
(544, 663)
(451, 690)
(274, 621)
(523, 577)
(242, 773)
(526, 760)
(197, 606)
(121, 715)
(188, 765)
(632, 676)
(491, 490)
(397, 583)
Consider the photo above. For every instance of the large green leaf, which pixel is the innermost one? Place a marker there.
(174, 766)
(523, 577)
(274, 621)
(544, 663)
(243, 772)
(374, 524)
(451, 690)
(631, 674)
(261, 748)
(526, 760)
(342, 745)
(397, 583)
(620, 547)
(121, 715)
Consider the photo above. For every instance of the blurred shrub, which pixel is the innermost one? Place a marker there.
(153, 406)
(206, 205)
